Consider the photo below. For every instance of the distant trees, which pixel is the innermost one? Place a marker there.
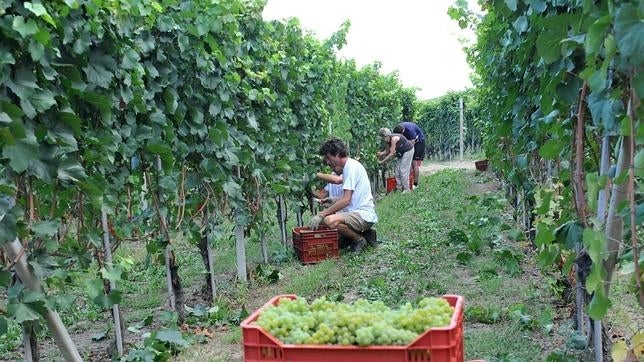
(439, 119)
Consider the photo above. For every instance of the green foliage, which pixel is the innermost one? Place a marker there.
(510, 260)
(216, 315)
(10, 337)
(440, 120)
(373, 101)
(480, 314)
(92, 94)
(457, 236)
(159, 346)
(532, 59)
(561, 357)
(409, 104)
(269, 275)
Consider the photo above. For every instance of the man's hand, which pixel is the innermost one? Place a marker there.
(315, 222)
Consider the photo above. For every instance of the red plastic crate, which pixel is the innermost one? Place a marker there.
(313, 246)
(391, 184)
(391, 181)
(444, 344)
(481, 165)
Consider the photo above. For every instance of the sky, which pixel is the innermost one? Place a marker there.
(414, 37)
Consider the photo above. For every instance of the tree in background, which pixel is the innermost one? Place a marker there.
(439, 119)
(409, 104)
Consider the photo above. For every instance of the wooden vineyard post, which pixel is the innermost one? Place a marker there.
(240, 242)
(171, 269)
(56, 327)
(614, 221)
(29, 343)
(601, 216)
(211, 265)
(240, 248)
(460, 106)
(262, 226)
(116, 313)
(263, 245)
(631, 197)
(29, 337)
(603, 170)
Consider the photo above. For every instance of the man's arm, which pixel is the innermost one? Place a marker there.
(392, 149)
(334, 179)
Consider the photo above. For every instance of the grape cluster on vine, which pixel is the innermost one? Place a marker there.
(363, 323)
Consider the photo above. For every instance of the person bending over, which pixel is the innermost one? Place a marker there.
(403, 149)
(415, 134)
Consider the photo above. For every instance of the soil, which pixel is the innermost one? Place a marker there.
(435, 167)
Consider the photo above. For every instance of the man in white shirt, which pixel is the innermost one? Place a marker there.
(359, 213)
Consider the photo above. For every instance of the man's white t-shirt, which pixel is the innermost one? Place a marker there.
(354, 177)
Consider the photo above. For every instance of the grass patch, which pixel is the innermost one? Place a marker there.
(502, 342)
(313, 279)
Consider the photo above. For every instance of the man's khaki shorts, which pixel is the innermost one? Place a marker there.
(355, 221)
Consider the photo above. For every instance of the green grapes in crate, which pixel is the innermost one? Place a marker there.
(362, 323)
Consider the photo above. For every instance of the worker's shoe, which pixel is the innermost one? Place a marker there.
(344, 242)
(371, 237)
(358, 245)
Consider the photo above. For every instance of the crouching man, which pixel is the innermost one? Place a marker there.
(354, 213)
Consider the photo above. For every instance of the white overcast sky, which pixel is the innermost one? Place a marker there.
(415, 37)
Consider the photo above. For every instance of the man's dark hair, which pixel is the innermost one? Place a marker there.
(334, 147)
(399, 129)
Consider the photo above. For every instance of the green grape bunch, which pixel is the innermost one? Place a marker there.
(362, 323)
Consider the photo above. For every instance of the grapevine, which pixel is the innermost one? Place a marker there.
(104, 103)
(562, 84)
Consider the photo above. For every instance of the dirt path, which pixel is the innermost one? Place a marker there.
(433, 166)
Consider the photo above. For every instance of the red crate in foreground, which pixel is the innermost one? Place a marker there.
(444, 344)
(312, 246)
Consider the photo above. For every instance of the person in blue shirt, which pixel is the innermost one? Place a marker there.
(413, 133)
